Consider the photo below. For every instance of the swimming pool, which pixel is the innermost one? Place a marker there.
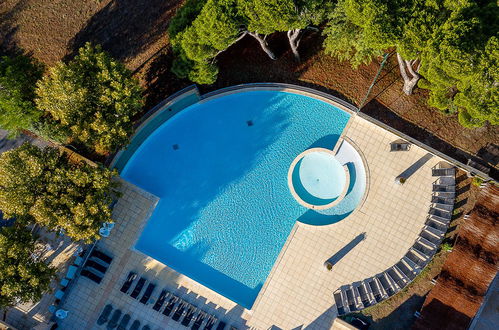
(220, 170)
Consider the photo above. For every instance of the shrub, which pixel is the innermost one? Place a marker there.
(44, 187)
(91, 99)
(18, 77)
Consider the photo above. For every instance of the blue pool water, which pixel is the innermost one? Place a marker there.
(220, 170)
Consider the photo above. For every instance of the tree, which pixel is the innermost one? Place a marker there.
(290, 16)
(22, 277)
(18, 76)
(444, 46)
(44, 187)
(91, 100)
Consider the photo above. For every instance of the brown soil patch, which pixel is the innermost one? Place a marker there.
(135, 32)
(468, 270)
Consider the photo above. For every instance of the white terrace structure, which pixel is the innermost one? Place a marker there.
(299, 293)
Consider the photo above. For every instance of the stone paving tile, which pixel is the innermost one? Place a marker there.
(298, 292)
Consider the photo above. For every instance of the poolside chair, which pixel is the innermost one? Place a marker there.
(188, 316)
(96, 266)
(135, 325)
(170, 305)
(400, 146)
(59, 294)
(64, 282)
(221, 325)
(113, 322)
(102, 256)
(128, 283)
(78, 261)
(179, 311)
(211, 322)
(138, 288)
(71, 272)
(161, 300)
(92, 276)
(147, 294)
(124, 322)
(198, 321)
(451, 171)
(104, 315)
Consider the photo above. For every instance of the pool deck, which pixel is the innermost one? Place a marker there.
(298, 293)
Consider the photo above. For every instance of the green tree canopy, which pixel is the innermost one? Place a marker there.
(43, 186)
(448, 47)
(91, 100)
(18, 77)
(22, 277)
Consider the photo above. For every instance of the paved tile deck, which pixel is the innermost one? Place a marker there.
(298, 292)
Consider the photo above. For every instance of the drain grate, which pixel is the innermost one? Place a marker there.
(249, 123)
(175, 147)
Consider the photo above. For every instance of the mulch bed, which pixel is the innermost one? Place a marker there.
(468, 270)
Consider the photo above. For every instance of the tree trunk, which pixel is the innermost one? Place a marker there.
(409, 75)
(294, 37)
(242, 35)
(4, 317)
(263, 44)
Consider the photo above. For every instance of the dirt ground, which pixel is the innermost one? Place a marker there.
(468, 270)
(135, 32)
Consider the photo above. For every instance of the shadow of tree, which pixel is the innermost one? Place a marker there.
(127, 28)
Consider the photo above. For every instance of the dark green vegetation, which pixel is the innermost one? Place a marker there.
(41, 186)
(23, 278)
(90, 100)
(18, 77)
(450, 48)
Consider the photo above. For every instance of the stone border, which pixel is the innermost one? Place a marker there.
(295, 194)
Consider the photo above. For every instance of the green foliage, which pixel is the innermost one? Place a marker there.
(184, 16)
(91, 99)
(18, 76)
(455, 41)
(269, 16)
(447, 247)
(22, 278)
(476, 181)
(215, 28)
(44, 187)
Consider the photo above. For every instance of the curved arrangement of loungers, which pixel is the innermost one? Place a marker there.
(365, 293)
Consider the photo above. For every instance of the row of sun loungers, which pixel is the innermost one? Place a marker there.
(115, 320)
(96, 266)
(362, 294)
(172, 306)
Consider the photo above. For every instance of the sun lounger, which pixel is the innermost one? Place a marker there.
(169, 306)
(135, 325)
(443, 171)
(147, 294)
(113, 322)
(198, 321)
(179, 311)
(400, 146)
(161, 300)
(96, 266)
(128, 283)
(104, 315)
(94, 277)
(138, 288)
(124, 322)
(221, 325)
(64, 282)
(102, 256)
(210, 323)
(188, 316)
(71, 272)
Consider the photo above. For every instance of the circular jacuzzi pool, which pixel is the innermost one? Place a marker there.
(317, 180)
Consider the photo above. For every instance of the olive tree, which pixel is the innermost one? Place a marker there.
(44, 187)
(91, 100)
